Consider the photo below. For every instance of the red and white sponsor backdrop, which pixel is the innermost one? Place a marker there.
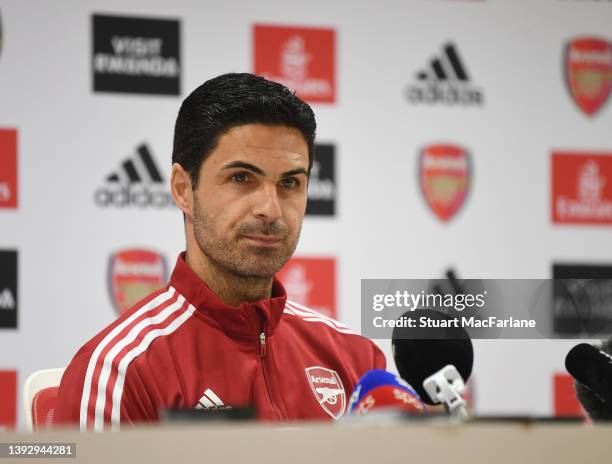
(514, 111)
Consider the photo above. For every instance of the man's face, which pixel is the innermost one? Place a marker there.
(250, 199)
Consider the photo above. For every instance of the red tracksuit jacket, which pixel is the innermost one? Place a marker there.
(182, 347)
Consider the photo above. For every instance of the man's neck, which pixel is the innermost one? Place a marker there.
(230, 288)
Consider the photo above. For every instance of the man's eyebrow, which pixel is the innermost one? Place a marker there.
(242, 164)
(294, 172)
(256, 170)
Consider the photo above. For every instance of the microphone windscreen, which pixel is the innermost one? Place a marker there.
(417, 358)
(589, 391)
(592, 368)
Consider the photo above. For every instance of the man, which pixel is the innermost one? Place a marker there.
(222, 333)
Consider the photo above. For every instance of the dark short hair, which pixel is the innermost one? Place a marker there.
(231, 100)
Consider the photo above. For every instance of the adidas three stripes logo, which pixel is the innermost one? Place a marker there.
(446, 67)
(210, 400)
(138, 168)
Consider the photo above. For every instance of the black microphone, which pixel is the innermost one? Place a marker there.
(418, 358)
(591, 368)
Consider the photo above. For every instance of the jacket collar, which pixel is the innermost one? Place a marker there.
(250, 318)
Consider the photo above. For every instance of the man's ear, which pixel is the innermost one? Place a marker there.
(180, 186)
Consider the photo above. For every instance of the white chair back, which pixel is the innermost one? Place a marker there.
(37, 381)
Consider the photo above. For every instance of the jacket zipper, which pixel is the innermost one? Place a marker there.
(262, 345)
(262, 355)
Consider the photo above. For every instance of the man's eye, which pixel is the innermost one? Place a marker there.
(290, 183)
(241, 177)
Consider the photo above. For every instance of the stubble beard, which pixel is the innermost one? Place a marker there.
(234, 255)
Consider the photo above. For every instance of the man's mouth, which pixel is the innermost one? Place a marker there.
(264, 240)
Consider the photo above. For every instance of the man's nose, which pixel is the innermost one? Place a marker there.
(267, 206)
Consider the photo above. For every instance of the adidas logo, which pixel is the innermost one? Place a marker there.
(445, 80)
(137, 182)
(137, 169)
(211, 401)
(7, 301)
(447, 67)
